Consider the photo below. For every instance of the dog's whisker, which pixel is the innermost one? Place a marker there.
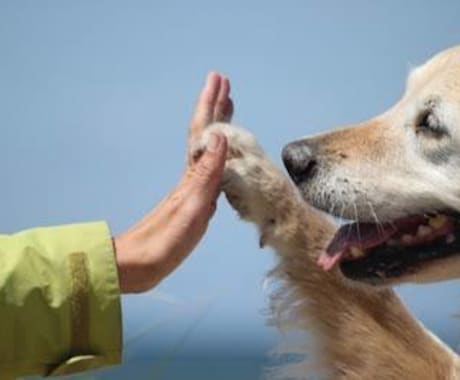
(378, 223)
(355, 208)
(332, 208)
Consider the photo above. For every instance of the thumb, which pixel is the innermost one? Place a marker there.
(207, 171)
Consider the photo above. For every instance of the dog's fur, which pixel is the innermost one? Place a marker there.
(359, 332)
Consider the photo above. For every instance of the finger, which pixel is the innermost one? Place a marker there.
(228, 112)
(222, 101)
(206, 174)
(204, 109)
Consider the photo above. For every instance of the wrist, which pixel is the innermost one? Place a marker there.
(121, 247)
(134, 269)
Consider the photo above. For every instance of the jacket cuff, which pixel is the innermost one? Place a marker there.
(95, 337)
(59, 301)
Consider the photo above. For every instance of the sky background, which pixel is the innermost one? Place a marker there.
(95, 97)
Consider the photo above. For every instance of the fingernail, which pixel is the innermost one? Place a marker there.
(208, 81)
(210, 78)
(214, 142)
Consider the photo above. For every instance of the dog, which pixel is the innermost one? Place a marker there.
(395, 177)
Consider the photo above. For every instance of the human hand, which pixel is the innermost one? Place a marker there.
(155, 246)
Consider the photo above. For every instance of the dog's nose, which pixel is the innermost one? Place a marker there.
(299, 161)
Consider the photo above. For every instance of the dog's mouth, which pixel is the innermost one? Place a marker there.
(376, 253)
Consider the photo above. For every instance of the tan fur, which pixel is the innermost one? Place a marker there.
(376, 170)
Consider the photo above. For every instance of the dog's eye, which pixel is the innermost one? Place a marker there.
(430, 125)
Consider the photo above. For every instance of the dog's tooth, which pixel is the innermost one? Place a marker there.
(450, 238)
(356, 252)
(438, 221)
(407, 239)
(423, 231)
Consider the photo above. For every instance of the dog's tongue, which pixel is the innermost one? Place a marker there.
(359, 235)
(363, 236)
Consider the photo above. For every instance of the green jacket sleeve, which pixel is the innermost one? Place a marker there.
(59, 301)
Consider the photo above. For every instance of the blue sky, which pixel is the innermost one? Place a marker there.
(95, 97)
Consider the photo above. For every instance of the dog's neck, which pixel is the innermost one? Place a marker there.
(364, 333)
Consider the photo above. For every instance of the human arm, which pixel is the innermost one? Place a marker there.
(60, 286)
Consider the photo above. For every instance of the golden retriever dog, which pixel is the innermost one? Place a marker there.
(395, 177)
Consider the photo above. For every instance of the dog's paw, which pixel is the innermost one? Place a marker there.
(252, 184)
(240, 141)
(242, 167)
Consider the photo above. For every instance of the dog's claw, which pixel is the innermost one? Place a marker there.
(262, 241)
(266, 232)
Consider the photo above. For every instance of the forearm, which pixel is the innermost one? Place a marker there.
(151, 249)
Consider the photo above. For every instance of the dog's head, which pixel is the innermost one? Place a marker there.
(398, 177)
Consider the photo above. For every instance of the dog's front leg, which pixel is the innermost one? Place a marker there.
(360, 332)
